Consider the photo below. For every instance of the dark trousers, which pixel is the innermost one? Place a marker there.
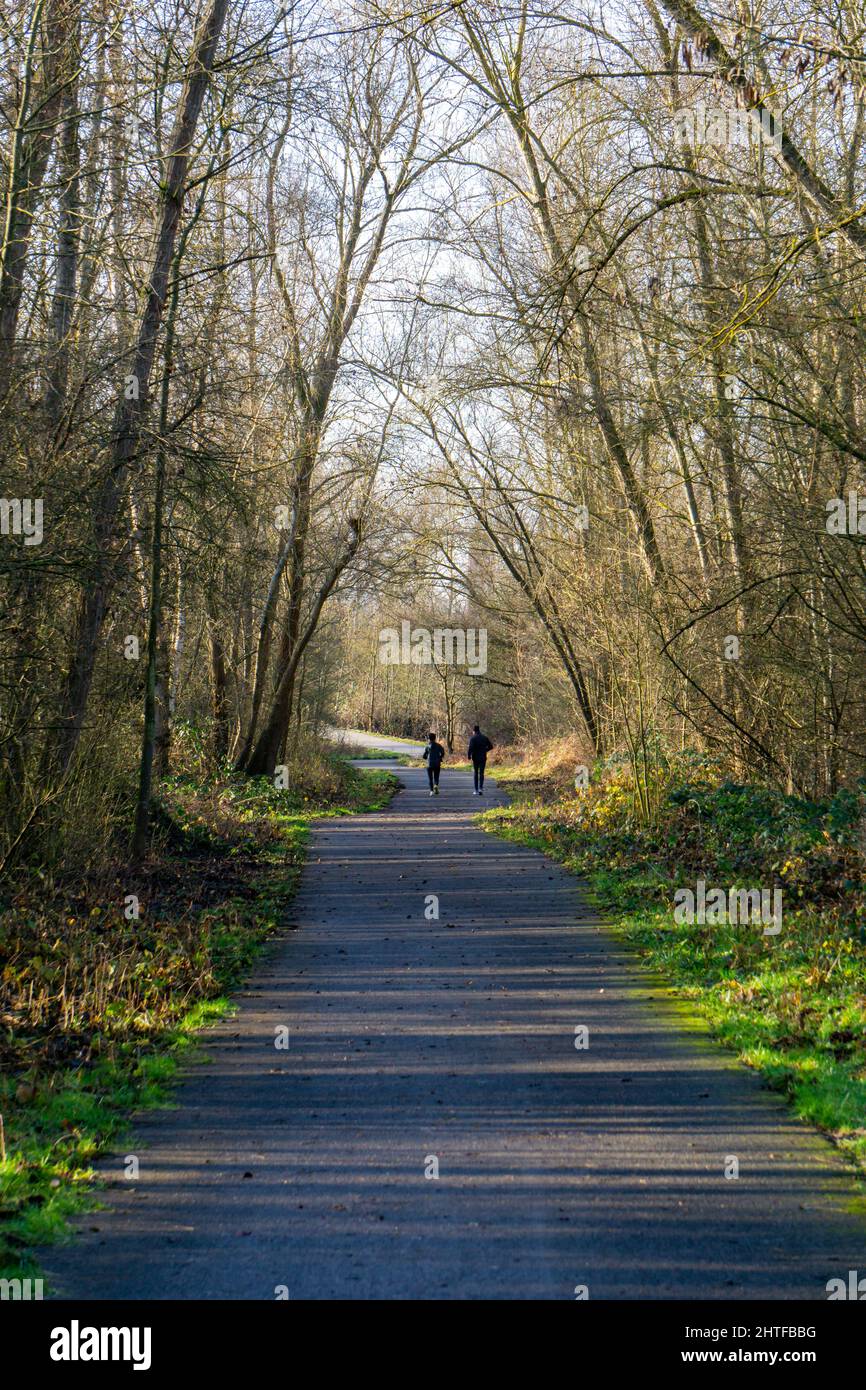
(478, 766)
(433, 775)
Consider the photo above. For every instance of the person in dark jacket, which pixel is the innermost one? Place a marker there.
(433, 755)
(479, 747)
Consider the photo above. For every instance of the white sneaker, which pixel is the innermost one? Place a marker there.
(431, 793)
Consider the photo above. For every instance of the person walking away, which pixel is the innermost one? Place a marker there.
(479, 747)
(433, 755)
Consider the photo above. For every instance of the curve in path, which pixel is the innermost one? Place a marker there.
(414, 1039)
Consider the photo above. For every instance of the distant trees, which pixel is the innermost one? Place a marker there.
(415, 315)
(661, 334)
(328, 235)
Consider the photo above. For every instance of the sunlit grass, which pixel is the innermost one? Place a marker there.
(98, 1014)
(793, 1006)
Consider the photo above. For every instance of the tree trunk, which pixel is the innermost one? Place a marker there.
(42, 97)
(130, 415)
(70, 229)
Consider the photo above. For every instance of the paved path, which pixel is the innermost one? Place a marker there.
(356, 738)
(414, 1040)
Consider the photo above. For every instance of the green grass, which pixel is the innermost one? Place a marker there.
(368, 754)
(791, 1006)
(396, 738)
(181, 973)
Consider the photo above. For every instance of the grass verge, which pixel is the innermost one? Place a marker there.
(97, 1009)
(793, 1005)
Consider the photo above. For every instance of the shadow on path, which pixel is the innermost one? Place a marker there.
(414, 1040)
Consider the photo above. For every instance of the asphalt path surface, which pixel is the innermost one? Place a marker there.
(421, 1045)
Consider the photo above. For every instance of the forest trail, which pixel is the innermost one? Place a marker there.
(302, 1171)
